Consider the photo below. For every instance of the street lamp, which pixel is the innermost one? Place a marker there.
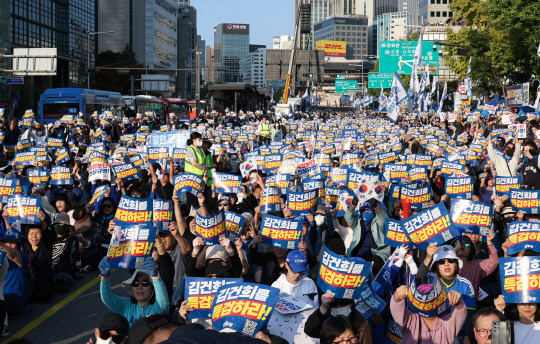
(88, 60)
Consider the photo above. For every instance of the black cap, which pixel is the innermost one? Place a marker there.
(145, 326)
(114, 322)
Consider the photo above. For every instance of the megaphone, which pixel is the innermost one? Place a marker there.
(406, 204)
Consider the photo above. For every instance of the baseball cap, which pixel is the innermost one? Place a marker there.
(216, 251)
(12, 234)
(114, 322)
(320, 210)
(446, 252)
(145, 326)
(297, 260)
(225, 198)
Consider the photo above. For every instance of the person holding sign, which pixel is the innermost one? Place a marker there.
(525, 317)
(442, 329)
(148, 293)
(506, 165)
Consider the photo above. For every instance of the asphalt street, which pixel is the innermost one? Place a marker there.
(70, 317)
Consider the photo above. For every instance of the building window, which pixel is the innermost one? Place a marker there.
(444, 14)
(438, 13)
(432, 14)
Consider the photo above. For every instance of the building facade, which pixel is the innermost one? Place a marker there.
(231, 47)
(435, 12)
(186, 79)
(256, 67)
(411, 6)
(282, 42)
(210, 72)
(395, 26)
(353, 29)
(201, 46)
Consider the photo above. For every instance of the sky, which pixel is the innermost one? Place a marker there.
(266, 18)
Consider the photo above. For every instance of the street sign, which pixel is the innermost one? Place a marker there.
(462, 89)
(14, 81)
(376, 79)
(346, 86)
(398, 56)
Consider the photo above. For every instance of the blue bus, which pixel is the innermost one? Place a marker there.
(57, 102)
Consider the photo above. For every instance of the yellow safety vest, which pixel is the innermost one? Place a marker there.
(199, 156)
(210, 164)
(265, 131)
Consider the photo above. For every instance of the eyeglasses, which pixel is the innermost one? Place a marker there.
(106, 206)
(443, 261)
(144, 283)
(350, 340)
(117, 339)
(224, 204)
(483, 332)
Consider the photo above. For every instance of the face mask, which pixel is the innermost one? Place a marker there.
(60, 229)
(234, 156)
(368, 216)
(510, 151)
(509, 219)
(345, 311)
(103, 341)
(199, 143)
(319, 220)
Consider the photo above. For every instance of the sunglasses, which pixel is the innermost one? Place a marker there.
(117, 339)
(144, 283)
(443, 261)
(224, 204)
(106, 206)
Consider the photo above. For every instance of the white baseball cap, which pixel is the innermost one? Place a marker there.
(446, 252)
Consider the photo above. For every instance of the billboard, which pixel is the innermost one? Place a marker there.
(376, 80)
(236, 29)
(346, 86)
(332, 48)
(518, 95)
(398, 56)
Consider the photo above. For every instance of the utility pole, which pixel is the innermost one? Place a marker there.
(198, 81)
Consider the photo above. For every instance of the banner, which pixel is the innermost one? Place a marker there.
(339, 176)
(348, 160)
(473, 217)
(210, 228)
(448, 168)
(62, 156)
(24, 158)
(526, 200)
(393, 333)
(61, 175)
(432, 225)
(503, 185)
(162, 214)
(300, 203)
(523, 235)
(99, 171)
(200, 292)
(420, 197)
(315, 185)
(281, 181)
(270, 200)
(519, 279)
(126, 171)
(279, 232)
(368, 302)
(130, 246)
(99, 194)
(342, 276)
(7, 188)
(226, 183)
(23, 209)
(38, 176)
(133, 211)
(244, 308)
(418, 173)
(429, 304)
(188, 182)
(459, 187)
(308, 169)
(158, 155)
(234, 224)
(54, 142)
(395, 236)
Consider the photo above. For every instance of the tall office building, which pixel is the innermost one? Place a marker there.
(256, 67)
(435, 12)
(186, 49)
(351, 29)
(210, 71)
(148, 26)
(5, 46)
(201, 45)
(231, 47)
(395, 26)
(411, 6)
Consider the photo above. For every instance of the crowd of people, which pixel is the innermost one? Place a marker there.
(74, 233)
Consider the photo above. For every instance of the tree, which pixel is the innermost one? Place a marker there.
(116, 80)
(501, 38)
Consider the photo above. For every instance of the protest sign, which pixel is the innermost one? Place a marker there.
(348, 160)
(432, 225)
(281, 181)
(23, 209)
(244, 308)
(279, 232)
(300, 203)
(520, 279)
(388, 157)
(210, 228)
(162, 214)
(188, 182)
(7, 188)
(315, 185)
(98, 195)
(429, 304)
(368, 302)
(473, 217)
(158, 155)
(459, 187)
(226, 183)
(503, 185)
(200, 292)
(99, 171)
(133, 211)
(234, 224)
(331, 195)
(308, 169)
(270, 200)
(24, 158)
(526, 200)
(339, 176)
(522, 236)
(130, 246)
(393, 332)
(61, 175)
(418, 173)
(38, 176)
(272, 162)
(126, 171)
(449, 168)
(395, 173)
(395, 236)
(287, 304)
(342, 276)
(420, 197)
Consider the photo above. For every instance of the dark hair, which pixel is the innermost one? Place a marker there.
(152, 298)
(483, 312)
(533, 148)
(511, 312)
(334, 327)
(79, 213)
(65, 198)
(194, 136)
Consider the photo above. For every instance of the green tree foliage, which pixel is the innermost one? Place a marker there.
(501, 37)
(117, 80)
